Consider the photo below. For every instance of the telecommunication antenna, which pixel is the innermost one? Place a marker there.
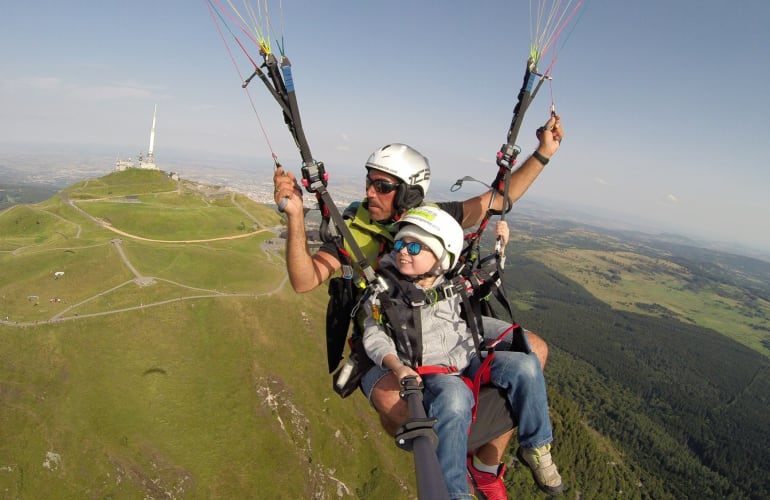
(150, 158)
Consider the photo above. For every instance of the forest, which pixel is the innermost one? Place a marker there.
(14, 194)
(686, 403)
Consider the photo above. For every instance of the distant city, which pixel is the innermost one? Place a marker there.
(58, 166)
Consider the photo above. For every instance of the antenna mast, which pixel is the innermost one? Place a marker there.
(150, 158)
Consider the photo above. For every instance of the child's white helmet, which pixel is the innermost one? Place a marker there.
(439, 231)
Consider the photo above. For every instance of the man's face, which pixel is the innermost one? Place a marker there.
(380, 191)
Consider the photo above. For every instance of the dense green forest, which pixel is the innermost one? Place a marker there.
(687, 404)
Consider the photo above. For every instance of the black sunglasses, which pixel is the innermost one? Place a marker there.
(412, 248)
(381, 185)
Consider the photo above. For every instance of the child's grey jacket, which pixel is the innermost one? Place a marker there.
(446, 338)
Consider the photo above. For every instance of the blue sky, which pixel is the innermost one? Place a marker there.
(663, 101)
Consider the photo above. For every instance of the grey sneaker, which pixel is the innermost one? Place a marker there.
(543, 469)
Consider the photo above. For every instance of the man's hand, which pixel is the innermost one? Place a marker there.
(550, 136)
(287, 192)
(502, 232)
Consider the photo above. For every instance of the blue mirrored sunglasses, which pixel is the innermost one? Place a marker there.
(381, 185)
(412, 248)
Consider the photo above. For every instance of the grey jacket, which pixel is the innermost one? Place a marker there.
(446, 338)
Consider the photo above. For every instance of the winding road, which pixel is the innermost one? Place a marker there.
(142, 280)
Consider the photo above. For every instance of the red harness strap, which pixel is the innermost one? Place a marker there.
(508, 330)
(446, 370)
(435, 369)
(483, 375)
(473, 384)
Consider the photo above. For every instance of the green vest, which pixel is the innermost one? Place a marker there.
(373, 238)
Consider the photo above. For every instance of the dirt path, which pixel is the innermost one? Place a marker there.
(108, 226)
(141, 238)
(142, 280)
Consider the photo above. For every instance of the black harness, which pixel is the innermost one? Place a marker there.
(401, 303)
(400, 308)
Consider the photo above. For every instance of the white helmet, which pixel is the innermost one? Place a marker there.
(409, 166)
(438, 230)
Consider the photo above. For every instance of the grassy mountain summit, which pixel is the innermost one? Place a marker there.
(151, 347)
(95, 247)
(169, 359)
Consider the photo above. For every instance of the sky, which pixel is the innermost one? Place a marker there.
(663, 101)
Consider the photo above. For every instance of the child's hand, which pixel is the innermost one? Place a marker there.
(405, 371)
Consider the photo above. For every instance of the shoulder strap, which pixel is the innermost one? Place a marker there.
(471, 310)
(401, 306)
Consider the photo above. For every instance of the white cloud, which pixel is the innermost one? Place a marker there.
(43, 83)
(110, 92)
(118, 90)
(345, 138)
(601, 181)
(101, 92)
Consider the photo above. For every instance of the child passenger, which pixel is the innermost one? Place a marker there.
(402, 338)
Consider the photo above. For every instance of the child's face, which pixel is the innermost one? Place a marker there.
(414, 265)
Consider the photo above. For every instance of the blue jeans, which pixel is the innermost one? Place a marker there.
(449, 399)
(493, 328)
(521, 377)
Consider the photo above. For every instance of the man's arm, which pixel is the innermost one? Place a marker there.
(306, 272)
(521, 178)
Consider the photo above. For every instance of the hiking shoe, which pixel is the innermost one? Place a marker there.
(488, 486)
(543, 469)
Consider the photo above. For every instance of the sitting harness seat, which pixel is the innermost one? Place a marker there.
(399, 311)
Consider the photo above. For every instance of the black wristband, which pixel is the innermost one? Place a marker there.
(542, 159)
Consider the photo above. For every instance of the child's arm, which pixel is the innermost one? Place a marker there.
(394, 364)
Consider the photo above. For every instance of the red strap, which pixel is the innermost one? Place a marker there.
(446, 370)
(483, 376)
(435, 369)
(493, 344)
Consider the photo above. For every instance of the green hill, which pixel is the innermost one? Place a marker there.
(153, 348)
(182, 370)
(664, 350)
